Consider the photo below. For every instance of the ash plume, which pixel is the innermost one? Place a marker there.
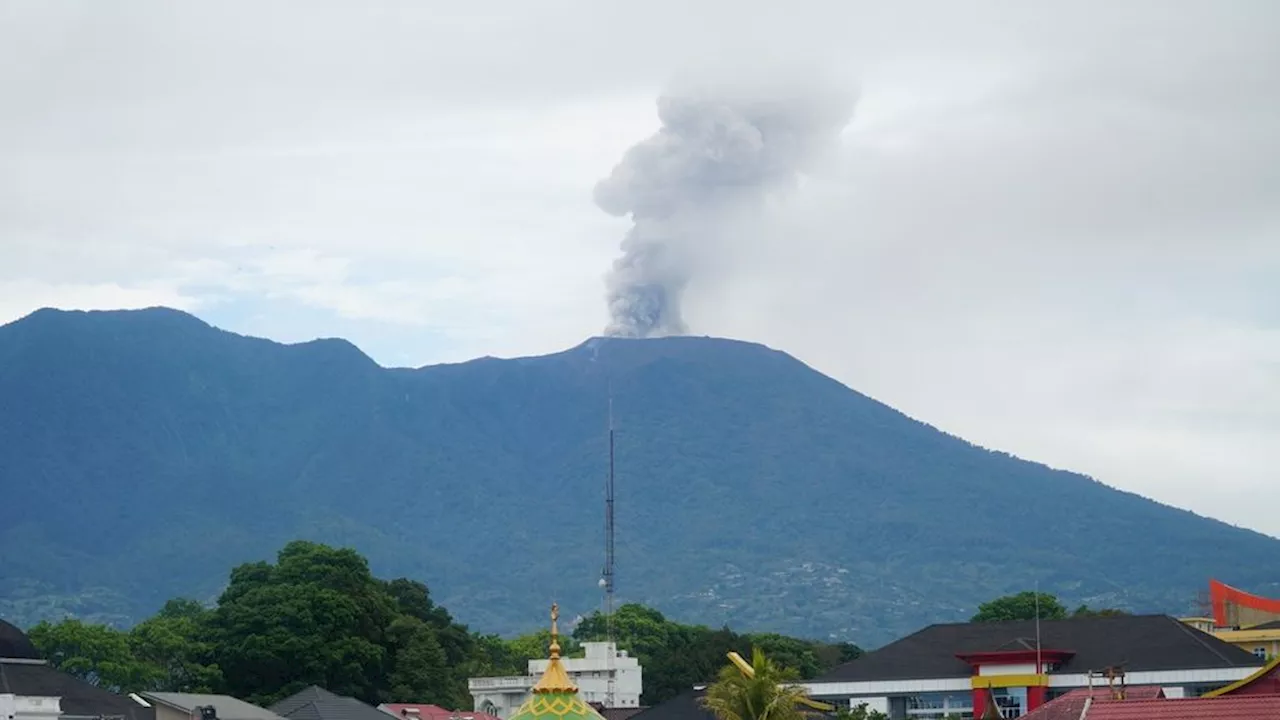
(719, 148)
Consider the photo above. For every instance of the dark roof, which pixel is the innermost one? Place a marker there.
(14, 644)
(620, 713)
(688, 706)
(685, 706)
(316, 703)
(1273, 625)
(1134, 642)
(78, 697)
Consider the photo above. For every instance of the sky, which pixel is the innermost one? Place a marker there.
(1052, 228)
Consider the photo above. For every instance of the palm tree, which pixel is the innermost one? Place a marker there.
(759, 691)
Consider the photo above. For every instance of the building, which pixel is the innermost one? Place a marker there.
(555, 696)
(961, 668)
(1250, 622)
(601, 664)
(316, 703)
(185, 706)
(1235, 608)
(1257, 696)
(31, 690)
(415, 711)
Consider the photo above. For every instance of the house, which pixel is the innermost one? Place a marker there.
(961, 668)
(186, 706)
(412, 711)
(1250, 622)
(32, 690)
(1254, 697)
(316, 703)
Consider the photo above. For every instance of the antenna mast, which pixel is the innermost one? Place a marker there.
(607, 579)
(1039, 664)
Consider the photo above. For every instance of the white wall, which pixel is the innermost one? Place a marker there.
(35, 708)
(1022, 669)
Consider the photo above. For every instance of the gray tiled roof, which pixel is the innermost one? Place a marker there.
(228, 708)
(316, 703)
(1134, 642)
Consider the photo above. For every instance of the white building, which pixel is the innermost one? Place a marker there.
(500, 696)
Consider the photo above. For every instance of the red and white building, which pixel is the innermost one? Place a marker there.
(960, 669)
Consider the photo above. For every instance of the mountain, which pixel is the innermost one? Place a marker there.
(145, 453)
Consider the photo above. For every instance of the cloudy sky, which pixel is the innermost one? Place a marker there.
(1051, 228)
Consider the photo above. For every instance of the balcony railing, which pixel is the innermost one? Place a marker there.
(511, 682)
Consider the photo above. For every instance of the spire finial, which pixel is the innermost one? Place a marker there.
(555, 679)
(555, 631)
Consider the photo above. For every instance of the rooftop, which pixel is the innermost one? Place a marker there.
(35, 679)
(410, 711)
(228, 708)
(15, 645)
(1135, 642)
(316, 703)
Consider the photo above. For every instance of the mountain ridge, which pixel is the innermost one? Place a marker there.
(798, 492)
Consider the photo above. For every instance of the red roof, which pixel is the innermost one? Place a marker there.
(1069, 706)
(1227, 707)
(410, 711)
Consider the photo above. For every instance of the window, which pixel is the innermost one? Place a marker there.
(929, 706)
(1011, 702)
(1260, 652)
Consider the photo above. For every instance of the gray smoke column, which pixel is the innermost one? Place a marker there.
(720, 147)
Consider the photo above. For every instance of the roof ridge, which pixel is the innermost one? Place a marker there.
(1195, 634)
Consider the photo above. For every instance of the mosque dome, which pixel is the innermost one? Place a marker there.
(555, 697)
(15, 645)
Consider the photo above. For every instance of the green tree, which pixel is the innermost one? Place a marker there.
(677, 656)
(1086, 611)
(859, 712)
(492, 656)
(175, 644)
(1021, 606)
(768, 693)
(317, 616)
(420, 667)
(97, 654)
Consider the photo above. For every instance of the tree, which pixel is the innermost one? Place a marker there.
(1021, 606)
(1086, 611)
(317, 616)
(97, 654)
(767, 693)
(420, 668)
(859, 712)
(175, 645)
(677, 656)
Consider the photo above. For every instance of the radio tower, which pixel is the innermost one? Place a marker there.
(606, 579)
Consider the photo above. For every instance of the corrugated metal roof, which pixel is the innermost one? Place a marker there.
(229, 708)
(1248, 707)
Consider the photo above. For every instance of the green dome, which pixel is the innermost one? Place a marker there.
(555, 697)
(555, 706)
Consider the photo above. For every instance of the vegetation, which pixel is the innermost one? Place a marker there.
(1025, 606)
(859, 712)
(796, 504)
(319, 616)
(768, 693)
(675, 657)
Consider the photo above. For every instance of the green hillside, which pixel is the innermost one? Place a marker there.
(143, 454)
